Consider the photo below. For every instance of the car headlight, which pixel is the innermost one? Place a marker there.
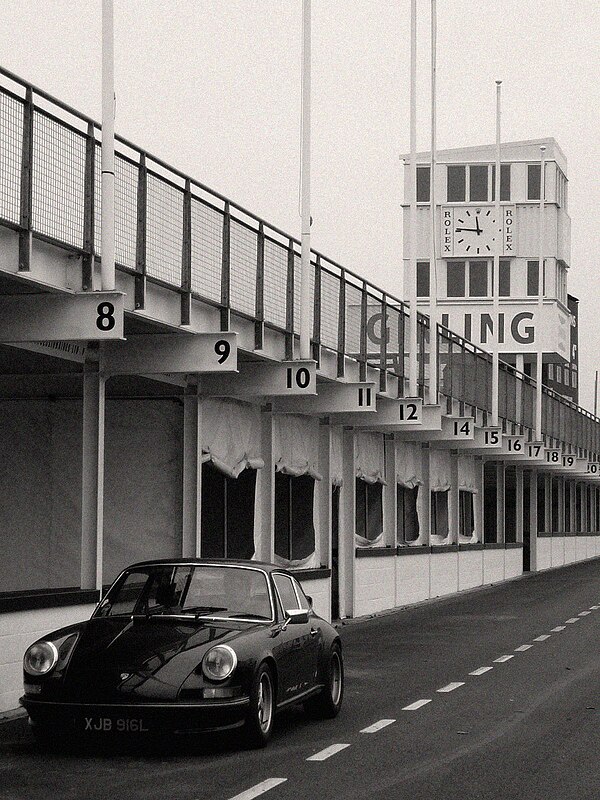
(219, 663)
(40, 658)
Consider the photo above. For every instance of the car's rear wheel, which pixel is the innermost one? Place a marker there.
(328, 702)
(259, 723)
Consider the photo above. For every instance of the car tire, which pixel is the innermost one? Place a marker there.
(327, 704)
(259, 723)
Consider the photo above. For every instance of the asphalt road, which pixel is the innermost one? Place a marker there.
(529, 727)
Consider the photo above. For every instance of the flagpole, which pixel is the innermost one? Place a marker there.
(433, 343)
(538, 378)
(305, 308)
(496, 272)
(412, 268)
(107, 269)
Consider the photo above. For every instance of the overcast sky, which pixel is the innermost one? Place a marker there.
(213, 87)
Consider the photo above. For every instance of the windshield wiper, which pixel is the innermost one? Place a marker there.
(200, 611)
(249, 616)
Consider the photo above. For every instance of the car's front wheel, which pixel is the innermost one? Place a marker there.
(259, 723)
(328, 702)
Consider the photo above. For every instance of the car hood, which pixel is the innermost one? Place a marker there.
(119, 659)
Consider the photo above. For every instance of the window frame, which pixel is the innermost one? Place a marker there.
(423, 168)
(368, 486)
(505, 181)
(434, 511)
(466, 514)
(279, 476)
(401, 493)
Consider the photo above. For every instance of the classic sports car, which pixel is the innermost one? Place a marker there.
(186, 645)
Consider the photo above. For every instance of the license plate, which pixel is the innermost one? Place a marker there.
(103, 724)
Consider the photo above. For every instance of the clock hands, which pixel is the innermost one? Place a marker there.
(479, 230)
(476, 230)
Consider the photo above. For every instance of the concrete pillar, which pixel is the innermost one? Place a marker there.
(500, 493)
(92, 482)
(347, 526)
(323, 490)
(266, 548)
(192, 472)
(390, 505)
(533, 520)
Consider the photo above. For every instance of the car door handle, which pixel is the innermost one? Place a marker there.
(314, 631)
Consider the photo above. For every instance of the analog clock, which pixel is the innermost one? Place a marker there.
(473, 231)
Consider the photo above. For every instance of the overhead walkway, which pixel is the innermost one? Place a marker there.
(120, 411)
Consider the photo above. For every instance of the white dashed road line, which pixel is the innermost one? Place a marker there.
(377, 726)
(450, 687)
(502, 659)
(594, 608)
(542, 638)
(572, 620)
(523, 647)
(480, 670)
(584, 613)
(259, 789)
(558, 628)
(322, 755)
(415, 706)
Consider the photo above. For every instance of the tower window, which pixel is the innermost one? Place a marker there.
(457, 184)
(534, 172)
(423, 184)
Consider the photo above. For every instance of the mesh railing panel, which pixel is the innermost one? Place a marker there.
(207, 250)
(330, 309)
(98, 201)
(243, 244)
(11, 139)
(275, 284)
(352, 319)
(58, 181)
(164, 231)
(394, 331)
(126, 188)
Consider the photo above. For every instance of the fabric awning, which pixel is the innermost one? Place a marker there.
(336, 458)
(409, 467)
(440, 470)
(231, 435)
(296, 445)
(467, 474)
(370, 457)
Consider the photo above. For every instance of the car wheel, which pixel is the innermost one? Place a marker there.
(327, 703)
(259, 723)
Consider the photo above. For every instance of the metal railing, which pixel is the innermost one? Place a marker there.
(176, 232)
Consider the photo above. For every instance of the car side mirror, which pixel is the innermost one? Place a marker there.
(310, 600)
(296, 616)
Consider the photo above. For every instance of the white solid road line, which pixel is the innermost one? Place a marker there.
(584, 613)
(542, 638)
(415, 706)
(558, 628)
(450, 687)
(259, 789)
(377, 726)
(573, 619)
(502, 659)
(523, 648)
(480, 670)
(322, 755)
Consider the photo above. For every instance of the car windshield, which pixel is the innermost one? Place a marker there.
(202, 591)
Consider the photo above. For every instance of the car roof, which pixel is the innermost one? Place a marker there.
(230, 562)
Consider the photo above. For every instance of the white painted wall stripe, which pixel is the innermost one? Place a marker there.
(522, 648)
(480, 670)
(259, 789)
(558, 628)
(450, 687)
(415, 706)
(572, 620)
(542, 638)
(377, 726)
(502, 659)
(584, 613)
(322, 755)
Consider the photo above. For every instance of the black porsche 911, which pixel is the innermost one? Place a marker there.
(186, 645)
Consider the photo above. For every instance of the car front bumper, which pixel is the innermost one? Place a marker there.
(138, 719)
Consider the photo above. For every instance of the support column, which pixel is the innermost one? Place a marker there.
(92, 481)
(453, 500)
(266, 548)
(500, 537)
(347, 526)
(390, 506)
(323, 489)
(519, 504)
(533, 520)
(191, 546)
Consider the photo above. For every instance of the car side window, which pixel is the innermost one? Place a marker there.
(304, 601)
(286, 592)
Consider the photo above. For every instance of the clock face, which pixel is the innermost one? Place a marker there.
(475, 231)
